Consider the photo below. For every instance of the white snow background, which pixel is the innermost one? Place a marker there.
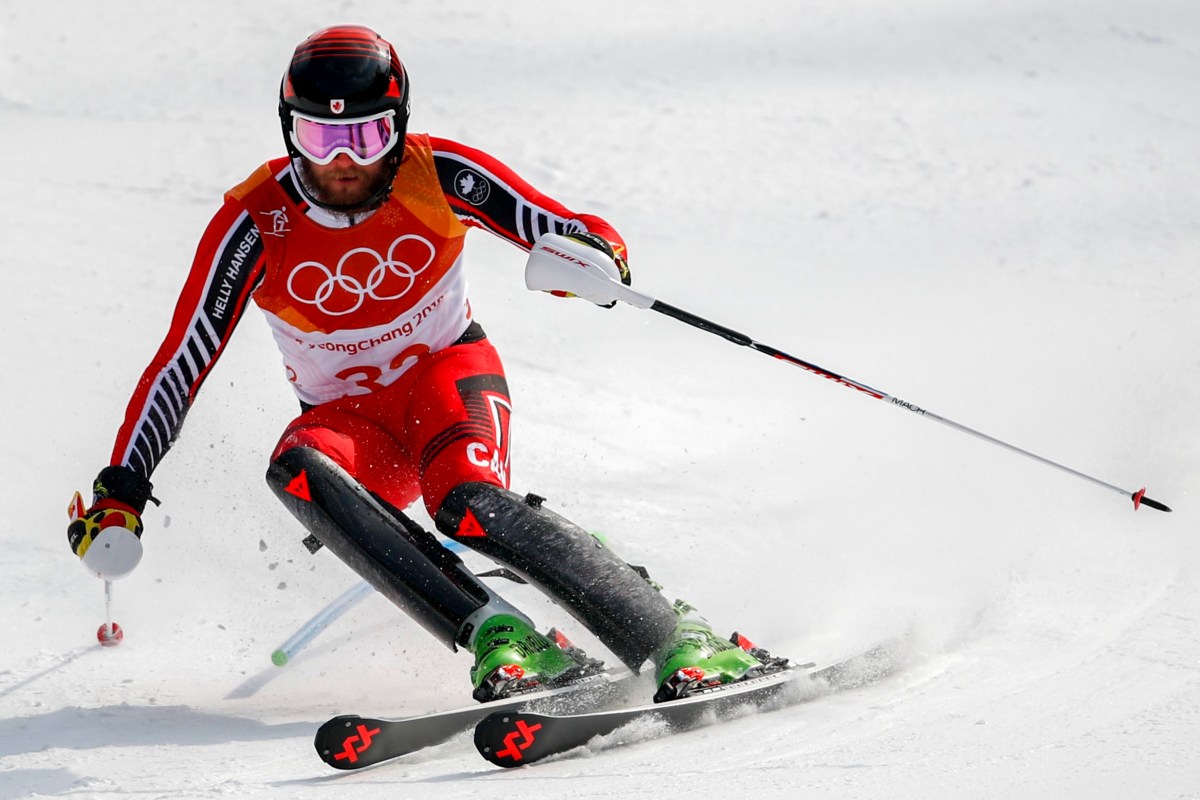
(987, 209)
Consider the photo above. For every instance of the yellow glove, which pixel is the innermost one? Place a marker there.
(107, 536)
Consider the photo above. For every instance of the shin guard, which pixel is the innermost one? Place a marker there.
(403, 561)
(609, 597)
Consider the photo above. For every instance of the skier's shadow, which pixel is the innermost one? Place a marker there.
(75, 728)
(66, 660)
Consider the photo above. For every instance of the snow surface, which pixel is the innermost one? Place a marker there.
(989, 209)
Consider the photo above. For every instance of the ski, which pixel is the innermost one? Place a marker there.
(512, 738)
(349, 741)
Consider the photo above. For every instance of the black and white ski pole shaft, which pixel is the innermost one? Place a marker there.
(560, 264)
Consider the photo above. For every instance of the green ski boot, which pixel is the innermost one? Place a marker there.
(511, 657)
(695, 658)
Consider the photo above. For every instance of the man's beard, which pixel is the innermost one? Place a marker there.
(365, 199)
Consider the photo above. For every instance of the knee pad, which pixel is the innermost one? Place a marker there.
(403, 561)
(609, 597)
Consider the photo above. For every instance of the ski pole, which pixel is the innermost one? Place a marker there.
(1139, 497)
(309, 630)
(110, 633)
(108, 625)
(557, 263)
(327, 615)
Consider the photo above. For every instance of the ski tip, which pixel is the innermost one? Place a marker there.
(1140, 499)
(510, 739)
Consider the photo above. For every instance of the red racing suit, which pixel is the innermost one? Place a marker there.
(397, 383)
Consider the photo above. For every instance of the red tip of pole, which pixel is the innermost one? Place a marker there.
(1137, 498)
(109, 638)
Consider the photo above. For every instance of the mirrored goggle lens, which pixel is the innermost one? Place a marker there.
(365, 141)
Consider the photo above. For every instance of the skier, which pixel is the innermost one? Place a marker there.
(352, 247)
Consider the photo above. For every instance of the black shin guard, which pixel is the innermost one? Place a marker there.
(608, 596)
(399, 558)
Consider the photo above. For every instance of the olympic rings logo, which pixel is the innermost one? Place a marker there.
(343, 290)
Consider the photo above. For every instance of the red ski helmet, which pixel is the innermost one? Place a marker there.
(347, 72)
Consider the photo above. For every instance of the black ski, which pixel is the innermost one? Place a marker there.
(353, 742)
(511, 738)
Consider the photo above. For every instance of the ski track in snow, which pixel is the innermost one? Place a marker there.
(987, 210)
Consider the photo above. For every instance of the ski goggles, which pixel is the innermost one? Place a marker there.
(365, 139)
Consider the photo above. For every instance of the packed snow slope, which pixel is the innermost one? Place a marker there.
(987, 209)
